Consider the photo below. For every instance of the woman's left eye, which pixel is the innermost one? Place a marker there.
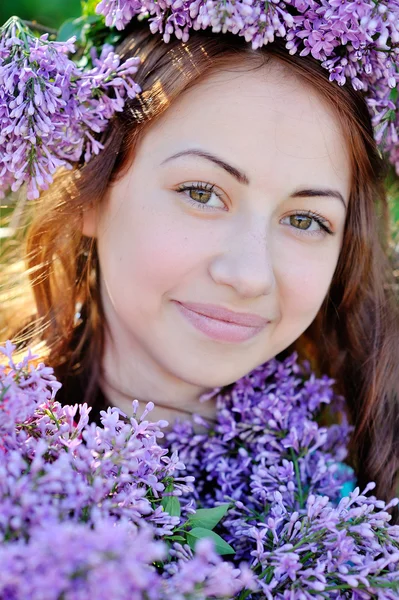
(201, 195)
(308, 222)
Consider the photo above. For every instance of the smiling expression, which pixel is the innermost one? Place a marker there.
(236, 197)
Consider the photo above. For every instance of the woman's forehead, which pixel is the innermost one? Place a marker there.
(266, 121)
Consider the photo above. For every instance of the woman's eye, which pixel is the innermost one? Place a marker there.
(309, 222)
(202, 195)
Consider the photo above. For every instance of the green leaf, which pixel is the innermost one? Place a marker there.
(394, 94)
(171, 505)
(177, 538)
(198, 533)
(208, 518)
(69, 28)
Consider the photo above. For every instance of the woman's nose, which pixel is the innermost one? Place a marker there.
(245, 263)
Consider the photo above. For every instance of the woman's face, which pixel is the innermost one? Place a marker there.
(236, 197)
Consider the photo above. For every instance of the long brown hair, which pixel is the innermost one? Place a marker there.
(355, 336)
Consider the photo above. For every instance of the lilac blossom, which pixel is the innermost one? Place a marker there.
(269, 414)
(71, 560)
(81, 505)
(111, 510)
(110, 561)
(283, 475)
(50, 110)
(118, 470)
(357, 42)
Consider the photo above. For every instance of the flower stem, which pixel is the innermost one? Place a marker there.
(244, 594)
(23, 24)
(41, 28)
(298, 477)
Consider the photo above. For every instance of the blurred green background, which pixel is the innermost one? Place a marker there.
(47, 12)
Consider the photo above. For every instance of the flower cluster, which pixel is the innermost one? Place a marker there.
(54, 468)
(284, 476)
(50, 109)
(356, 41)
(82, 506)
(90, 511)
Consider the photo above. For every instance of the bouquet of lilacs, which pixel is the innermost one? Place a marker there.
(284, 477)
(89, 511)
(123, 511)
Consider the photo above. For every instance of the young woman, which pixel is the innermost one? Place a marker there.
(243, 185)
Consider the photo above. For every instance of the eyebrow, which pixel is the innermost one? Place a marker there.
(236, 173)
(309, 193)
(243, 178)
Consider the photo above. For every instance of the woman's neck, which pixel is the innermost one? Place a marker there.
(123, 399)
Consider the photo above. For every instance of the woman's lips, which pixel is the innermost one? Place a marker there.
(220, 313)
(219, 330)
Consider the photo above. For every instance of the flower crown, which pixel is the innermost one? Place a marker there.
(55, 99)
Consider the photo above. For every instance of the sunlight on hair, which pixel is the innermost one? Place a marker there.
(151, 101)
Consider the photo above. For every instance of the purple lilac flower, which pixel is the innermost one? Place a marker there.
(206, 568)
(266, 439)
(355, 41)
(50, 110)
(94, 472)
(81, 513)
(333, 552)
(282, 474)
(74, 562)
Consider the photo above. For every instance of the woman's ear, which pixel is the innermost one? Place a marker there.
(89, 222)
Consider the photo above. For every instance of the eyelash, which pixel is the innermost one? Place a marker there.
(203, 187)
(208, 187)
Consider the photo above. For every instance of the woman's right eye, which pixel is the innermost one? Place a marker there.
(200, 195)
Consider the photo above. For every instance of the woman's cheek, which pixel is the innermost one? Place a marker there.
(156, 253)
(304, 277)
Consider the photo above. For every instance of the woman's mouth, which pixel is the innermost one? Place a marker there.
(217, 329)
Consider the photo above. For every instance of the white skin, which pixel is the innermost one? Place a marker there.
(244, 250)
